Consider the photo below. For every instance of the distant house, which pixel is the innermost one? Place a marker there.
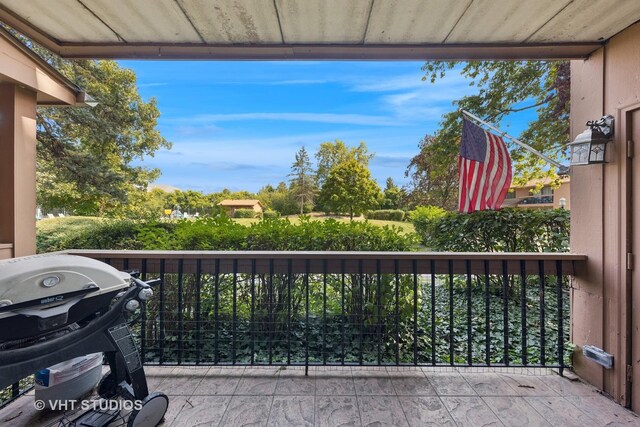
(538, 194)
(230, 206)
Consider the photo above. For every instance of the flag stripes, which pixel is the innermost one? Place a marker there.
(484, 170)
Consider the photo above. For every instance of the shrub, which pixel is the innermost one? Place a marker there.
(270, 214)
(506, 230)
(386, 215)
(245, 213)
(424, 218)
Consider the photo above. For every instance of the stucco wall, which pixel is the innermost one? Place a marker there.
(607, 83)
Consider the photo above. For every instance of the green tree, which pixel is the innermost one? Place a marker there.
(350, 189)
(503, 88)
(280, 199)
(331, 154)
(393, 196)
(434, 176)
(302, 183)
(85, 155)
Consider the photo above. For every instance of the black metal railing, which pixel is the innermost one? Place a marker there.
(325, 308)
(353, 308)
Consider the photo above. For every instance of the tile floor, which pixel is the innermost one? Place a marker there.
(337, 396)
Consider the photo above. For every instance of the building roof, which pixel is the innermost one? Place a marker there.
(244, 202)
(21, 65)
(321, 29)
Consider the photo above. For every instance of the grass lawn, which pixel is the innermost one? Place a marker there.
(406, 227)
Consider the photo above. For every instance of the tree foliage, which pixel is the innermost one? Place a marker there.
(331, 154)
(85, 155)
(434, 175)
(350, 189)
(503, 88)
(302, 183)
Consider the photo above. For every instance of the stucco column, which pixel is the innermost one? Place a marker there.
(18, 168)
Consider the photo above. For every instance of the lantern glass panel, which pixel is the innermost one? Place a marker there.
(580, 153)
(597, 152)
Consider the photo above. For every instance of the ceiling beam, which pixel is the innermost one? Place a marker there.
(329, 52)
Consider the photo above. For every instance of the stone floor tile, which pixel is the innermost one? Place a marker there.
(381, 411)
(334, 411)
(247, 410)
(470, 411)
(335, 383)
(258, 381)
(526, 385)
(292, 411)
(219, 381)
(425, 411)
(373, 386)
(489, 385)
(412, 386)
(566, 387)
(604, 410)
(515, 411)
(303, 386)
(201, 410)
(182, 381)
(450, 384)
(559, 411)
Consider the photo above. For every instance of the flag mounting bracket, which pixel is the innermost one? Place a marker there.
(562, 169)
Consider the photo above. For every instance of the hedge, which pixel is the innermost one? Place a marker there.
(222, 233)
(506, 230)
(245, 213)
(386, 215)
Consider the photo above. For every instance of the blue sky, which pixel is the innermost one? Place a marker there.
(238, 125)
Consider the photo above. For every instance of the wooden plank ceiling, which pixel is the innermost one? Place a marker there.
(321, 29)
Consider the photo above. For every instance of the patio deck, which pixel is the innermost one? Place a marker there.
(357, 396)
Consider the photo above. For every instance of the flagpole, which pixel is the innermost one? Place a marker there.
(562, 170)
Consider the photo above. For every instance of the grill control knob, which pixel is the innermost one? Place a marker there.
(145, 294)
(132, 305)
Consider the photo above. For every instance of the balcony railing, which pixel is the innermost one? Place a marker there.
(351, 308)
(327, 308)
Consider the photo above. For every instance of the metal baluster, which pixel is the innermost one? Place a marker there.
(487, 314)
(143, 316)
(451, 347)
(216, 303)
(543, 336)
(234, 311)
(180, 313)
(523, 310)
(469, 310)
(342, 331)
(198, 310)
(252, 309)
(560, 317)
(269, 311)
(505, 311)
(415, 311)
(289, 275)
(361, 306)
(161, 308)
(379, 314)
(433, 312)
(324, 311)
(396, 268)
(306, 329)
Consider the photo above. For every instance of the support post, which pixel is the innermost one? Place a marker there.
(18, 168)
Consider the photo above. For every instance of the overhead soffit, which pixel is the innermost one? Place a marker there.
(321, 29)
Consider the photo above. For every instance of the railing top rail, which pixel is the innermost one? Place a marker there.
(497, 256)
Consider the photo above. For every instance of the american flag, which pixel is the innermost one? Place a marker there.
(484, 169)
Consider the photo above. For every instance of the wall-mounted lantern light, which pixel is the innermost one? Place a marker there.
(590, 146)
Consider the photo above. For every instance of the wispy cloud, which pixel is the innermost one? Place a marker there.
(298, 82)
(351, 119)
(152, 84)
